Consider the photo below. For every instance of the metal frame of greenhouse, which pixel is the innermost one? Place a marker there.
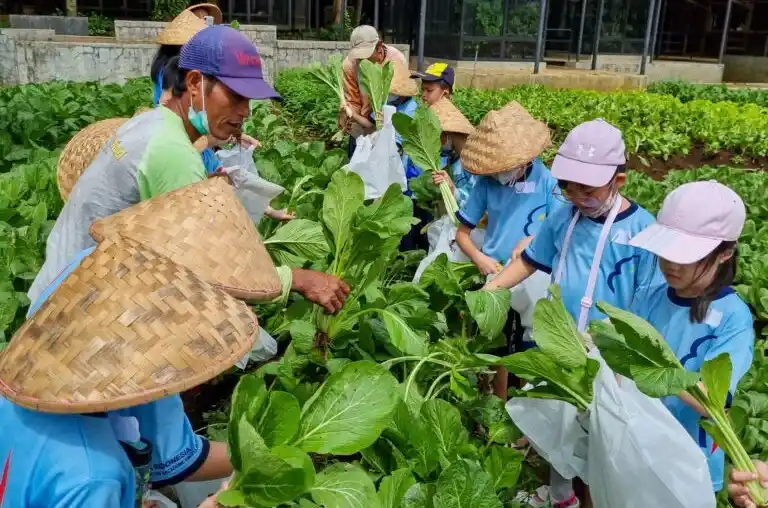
(504, 30)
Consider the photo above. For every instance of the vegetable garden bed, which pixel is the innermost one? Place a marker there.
(417, 350)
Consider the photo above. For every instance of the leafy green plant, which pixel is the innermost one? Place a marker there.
(633, 348)
(166, 10)
(100, 25)
(560, 368)
(421, 141)
(375, 81)
(270, 435)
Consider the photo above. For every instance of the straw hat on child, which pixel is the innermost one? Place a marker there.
(402, 84)
(128, 326)
(204, 228)
(81, 151)
(451, 119)
(504, 139)
(181, 29)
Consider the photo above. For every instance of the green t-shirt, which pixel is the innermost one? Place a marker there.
(151, 154)
(169, 161)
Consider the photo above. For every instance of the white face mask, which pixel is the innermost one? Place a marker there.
(509, 177)
(597, 209)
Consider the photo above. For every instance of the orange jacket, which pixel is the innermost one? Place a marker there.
(356, 100)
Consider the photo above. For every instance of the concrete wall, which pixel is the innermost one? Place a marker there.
(64, 25)
(745, 69)
(28, 56)
(658, 70)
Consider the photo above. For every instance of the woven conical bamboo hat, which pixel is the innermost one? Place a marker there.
(402, 84)
(209, 10)
(451, 119)
(81, 151)
(504, 139)
(202, 227)
(126, 327)
(181, 29)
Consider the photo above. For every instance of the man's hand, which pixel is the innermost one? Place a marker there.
(249, 141)
(439, 177)
(737, 486)
(325, 290)
(486, 264)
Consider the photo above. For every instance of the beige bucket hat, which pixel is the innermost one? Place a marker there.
(127, 327)
(81, 151)
(181, 29)
(204, 228)
(402, 84)
(504, 139)
(451, 119)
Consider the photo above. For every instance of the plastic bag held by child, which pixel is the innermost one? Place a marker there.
(254, 192)
(377, 160)
(441, 235)
(639, 454)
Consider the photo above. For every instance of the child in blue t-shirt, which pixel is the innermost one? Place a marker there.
(103, 459)
(585, 245)
(516, 191)
(696, 310)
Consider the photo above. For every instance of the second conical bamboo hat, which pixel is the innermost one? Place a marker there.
(402, 84)
(181, 29)
(81, 151)
(504, 139)
(212, 10)
(451, 119)
(204, 228)
(128, 326)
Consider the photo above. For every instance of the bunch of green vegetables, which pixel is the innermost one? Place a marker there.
(633, 348)
(375, 81)
(421, 141)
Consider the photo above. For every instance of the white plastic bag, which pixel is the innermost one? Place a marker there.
(639, 454)
(556, 431)
(377, 160)
(525, 295)
(254, 192)
(441, 235)
(160, 500)
(263, 349)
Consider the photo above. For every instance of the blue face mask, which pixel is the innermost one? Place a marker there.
(199, 119)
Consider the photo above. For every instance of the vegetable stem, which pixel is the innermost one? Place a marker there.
(730, 443)
(435, 383)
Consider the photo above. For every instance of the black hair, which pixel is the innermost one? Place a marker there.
(164, 54)
(724, 276)
(620, 170)
(175, 78)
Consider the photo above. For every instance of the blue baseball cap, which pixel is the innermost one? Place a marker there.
(229, 56)
(437, 72)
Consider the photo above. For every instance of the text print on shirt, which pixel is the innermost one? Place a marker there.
(4, 478)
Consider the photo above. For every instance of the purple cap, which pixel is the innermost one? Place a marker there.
(694, 219)
(230, 57)
(590, 154)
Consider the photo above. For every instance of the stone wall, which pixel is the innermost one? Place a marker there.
(28, 56)
(64, 25)
(290, 54)
(658, 70)
(745, 69)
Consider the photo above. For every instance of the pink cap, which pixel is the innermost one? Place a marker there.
(590, 154)
(694, 219)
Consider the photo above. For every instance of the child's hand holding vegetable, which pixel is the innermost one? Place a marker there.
(439, 177)
(737, 486)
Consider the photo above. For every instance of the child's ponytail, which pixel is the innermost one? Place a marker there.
(726, 273)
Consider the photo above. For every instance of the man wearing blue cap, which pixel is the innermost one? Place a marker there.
(220, 71)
